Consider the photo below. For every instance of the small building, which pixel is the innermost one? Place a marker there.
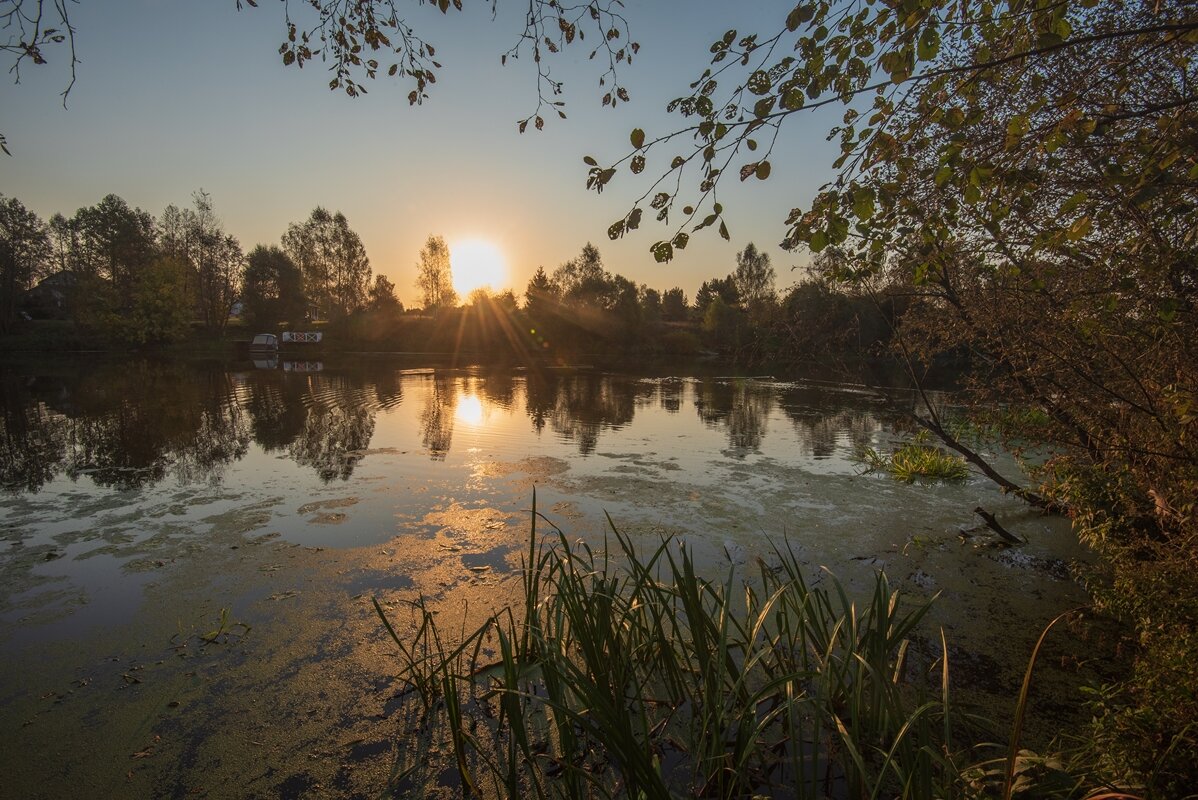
(265, 343)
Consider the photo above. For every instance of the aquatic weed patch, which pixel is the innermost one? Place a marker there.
(626, 674)
(916, 460)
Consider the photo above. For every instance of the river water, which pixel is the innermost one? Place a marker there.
(189, 550)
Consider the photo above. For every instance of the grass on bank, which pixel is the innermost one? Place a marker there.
(626, 674)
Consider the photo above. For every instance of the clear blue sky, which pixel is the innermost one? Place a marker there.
(175, 95)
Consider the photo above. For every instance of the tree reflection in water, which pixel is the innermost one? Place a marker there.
(338, 427)
(670, 394)
(740, 406)
(133, 424)
(33, 439)
(275, 401)
(436, 419)
(332, 440)
(820, 417)
(586, 403)
(540, 398)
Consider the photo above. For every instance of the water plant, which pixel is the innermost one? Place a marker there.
(624, 673)
(916, 459)
(225, 626)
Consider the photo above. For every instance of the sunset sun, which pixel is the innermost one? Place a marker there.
(477, 263)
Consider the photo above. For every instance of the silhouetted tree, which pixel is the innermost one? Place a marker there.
(434, 278)
(332, 260)
(673, 305)
(754, 277)
(582, 280)
(159, 309)
(723, 326)
(382, 296)
(24, 254)
(650, 304)
(273, 288)
(216, 259)
(114, 243)
(723, 288)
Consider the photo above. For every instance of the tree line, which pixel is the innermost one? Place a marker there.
(584, 309)
(140, 279)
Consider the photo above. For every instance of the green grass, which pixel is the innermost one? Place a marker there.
(916, 460)
(624, 673)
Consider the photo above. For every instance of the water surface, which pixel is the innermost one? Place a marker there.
(140, 499)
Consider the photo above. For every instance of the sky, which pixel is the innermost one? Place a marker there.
(175, 95)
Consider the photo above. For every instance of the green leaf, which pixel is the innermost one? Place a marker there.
(759, 83)
(943, 175)
(1079, 229)
(763, 170)
(838, 230)
(818, 241)
(792, 99)
(637, 137)
(764, 106)
(1072, 203)
(1016, 129)
(863, 204)
(929, 44)
(801, 13)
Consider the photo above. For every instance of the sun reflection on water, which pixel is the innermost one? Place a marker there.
(469, 410)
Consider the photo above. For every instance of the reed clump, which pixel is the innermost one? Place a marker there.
(624, 673)
(916, 460)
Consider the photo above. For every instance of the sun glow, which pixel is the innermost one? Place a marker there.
(477, 263)
(469, 410)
